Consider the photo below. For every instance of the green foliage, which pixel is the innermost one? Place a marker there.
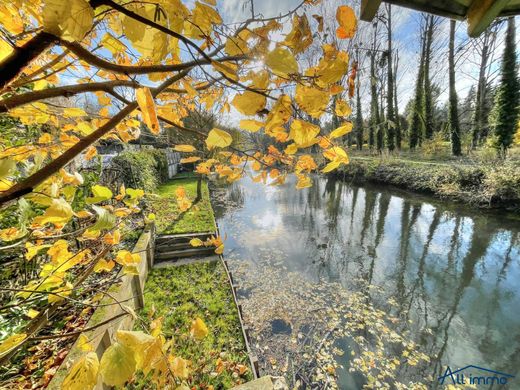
(144, 169)
(502, 183)
(491, 185)
(504, 117)
(170, 220)
(202, 290)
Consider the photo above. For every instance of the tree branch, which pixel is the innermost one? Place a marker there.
(92, 59)
(27, 185)
(14, 63)
(66, 90)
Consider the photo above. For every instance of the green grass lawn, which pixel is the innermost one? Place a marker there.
(181, 294)
(170, 220)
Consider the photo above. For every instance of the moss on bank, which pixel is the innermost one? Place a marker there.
(492, 185)
(181, 294)
(170, 220)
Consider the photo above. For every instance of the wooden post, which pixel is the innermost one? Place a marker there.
(481, 14)
(369, 9)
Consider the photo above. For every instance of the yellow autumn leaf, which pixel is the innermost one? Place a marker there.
(281, 62)
(179, 368)
(147, 106)
(104, 265)
(303, 133)
(336, 153)
(300, 37)
(331, 166)
(5, 49)
(291, 149)
(332, 69)
(126, 258)
(218, 139)
(189, 160)
(347, 21)
(220, 249)
(31, 313)
(11, 234)
(83, 343)
(228, 69)
(100, 194)
(113, 44)
(138, 342)
(342, 108)
(60, 294)
(342, 130)
(304, 181)
(312, 100)
(117, 365)
(251, 125)
(70, 21)
(184, 148)
(198, 329)
(83, 374)
(249, 103)
(238, 45)
(196, 242)
(59, 213)
(73, 112)
(11, 342)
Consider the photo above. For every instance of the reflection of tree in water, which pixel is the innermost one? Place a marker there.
(488, 344)
(428, 282)
(407, 222)
(226, 198)
(384, 203)
(478, 248)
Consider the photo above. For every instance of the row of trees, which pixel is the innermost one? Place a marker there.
(490, 111)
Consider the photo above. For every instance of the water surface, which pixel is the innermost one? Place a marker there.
(451, 269)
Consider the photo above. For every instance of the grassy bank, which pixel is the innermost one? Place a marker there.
(480, 184)
(181, 294)
(170, 220)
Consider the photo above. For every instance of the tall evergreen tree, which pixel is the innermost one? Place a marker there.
(374, 107)
(453, 101)
(428, 98)
(505, 110)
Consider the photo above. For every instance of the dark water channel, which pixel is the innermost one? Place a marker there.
(451, 269)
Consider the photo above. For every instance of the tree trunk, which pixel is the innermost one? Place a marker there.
(453, 104)
(428, 104)
(199, 189)
(415, 123)
(481, 92)
(398, 134)
(374, 107)
(390, 117)
(359, 114)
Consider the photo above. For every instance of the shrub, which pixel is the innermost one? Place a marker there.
(144, 169)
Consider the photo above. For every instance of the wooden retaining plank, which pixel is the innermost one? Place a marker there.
(183, 253)
(187, 236)
(166, 247)
(186, 261)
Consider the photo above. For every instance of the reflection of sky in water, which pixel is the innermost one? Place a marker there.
(453, 270)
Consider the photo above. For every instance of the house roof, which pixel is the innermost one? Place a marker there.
(479, 13)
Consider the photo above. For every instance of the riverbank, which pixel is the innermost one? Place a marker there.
(491, 185)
